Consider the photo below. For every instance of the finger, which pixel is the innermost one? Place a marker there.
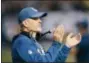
(70, 35)
(57, 30)
(60, 27)
(62, 30)
(78, 37)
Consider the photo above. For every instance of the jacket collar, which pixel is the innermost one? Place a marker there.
(26, 34)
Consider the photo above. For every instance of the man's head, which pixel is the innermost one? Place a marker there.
(29, 18)
(82, 26)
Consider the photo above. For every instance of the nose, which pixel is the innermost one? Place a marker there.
(39, 20)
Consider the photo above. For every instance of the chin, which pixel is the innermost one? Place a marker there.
(39, 30)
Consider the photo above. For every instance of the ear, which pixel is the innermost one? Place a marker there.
(25, 23)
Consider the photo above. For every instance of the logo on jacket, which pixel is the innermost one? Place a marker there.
(30, 52)
(41, 51)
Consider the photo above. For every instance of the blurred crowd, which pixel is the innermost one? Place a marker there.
(74, 15)
(15, 6)
(10, 9)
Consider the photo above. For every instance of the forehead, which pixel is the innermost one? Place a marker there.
(32, 19)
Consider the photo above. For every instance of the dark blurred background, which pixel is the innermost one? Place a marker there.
(67, 13)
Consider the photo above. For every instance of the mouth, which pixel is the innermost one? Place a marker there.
(39, 25)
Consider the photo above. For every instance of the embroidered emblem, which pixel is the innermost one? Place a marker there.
(34, 9)
(41, 52)
(29, 52)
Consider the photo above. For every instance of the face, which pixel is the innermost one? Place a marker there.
(33, 24)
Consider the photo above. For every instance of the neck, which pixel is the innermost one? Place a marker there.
(33, 34)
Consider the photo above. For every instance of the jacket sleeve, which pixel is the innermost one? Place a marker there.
(29, 53)
(63, 53)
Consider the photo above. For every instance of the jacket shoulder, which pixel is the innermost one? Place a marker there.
(22, 39)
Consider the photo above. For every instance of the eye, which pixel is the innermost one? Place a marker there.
(35, 18)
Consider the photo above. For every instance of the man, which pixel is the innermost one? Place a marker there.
(26, 49)
(83, 51)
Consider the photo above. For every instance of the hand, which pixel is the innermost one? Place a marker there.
(58, 33)
(72, 41)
